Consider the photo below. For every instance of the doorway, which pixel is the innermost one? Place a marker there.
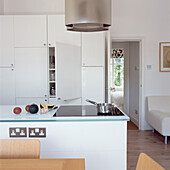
(125, 77)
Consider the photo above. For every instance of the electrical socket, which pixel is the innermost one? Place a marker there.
(136, 112)
(37, 132)
(17, 132)
(149, 67)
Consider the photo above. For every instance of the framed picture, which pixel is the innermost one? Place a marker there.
(164, 56)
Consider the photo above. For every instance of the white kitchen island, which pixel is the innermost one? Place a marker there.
(101, 140)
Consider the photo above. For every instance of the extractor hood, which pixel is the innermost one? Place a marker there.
(87, 15)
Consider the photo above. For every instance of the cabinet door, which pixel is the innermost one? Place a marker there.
(30, 31)
(93, 49)
(57, 32)
(68, 71)
(7, 86)
(6, 41)
(93, 84)
(31, 72)
(65, 102)
(25, 101)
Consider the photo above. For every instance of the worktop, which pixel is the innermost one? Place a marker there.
(7, 115)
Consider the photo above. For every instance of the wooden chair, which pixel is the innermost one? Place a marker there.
(146, 163)
(19, 149)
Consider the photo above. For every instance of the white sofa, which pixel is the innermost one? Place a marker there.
(158, 114)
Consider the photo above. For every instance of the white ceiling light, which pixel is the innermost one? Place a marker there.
(87, 15)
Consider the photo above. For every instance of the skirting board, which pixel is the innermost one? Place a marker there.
(135, 121)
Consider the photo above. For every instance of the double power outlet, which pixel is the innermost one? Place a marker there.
(19, 132)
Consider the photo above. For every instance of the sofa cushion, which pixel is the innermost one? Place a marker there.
(161, 103)
(159, 121)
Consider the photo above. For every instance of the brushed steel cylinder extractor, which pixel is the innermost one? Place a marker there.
(87, 15)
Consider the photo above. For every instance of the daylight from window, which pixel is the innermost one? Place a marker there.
(117, 68)
(119, 72)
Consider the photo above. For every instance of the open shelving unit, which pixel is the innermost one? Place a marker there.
(52, 73)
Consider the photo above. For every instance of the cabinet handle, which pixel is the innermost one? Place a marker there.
(44, 44)
(49, 44)
(59, 98)
(12, 65)
(45, 100)
(45, 95)
(12, 69)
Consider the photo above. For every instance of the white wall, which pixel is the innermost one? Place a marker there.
(1, 7)
(34, 6)
(150, 20)
(134, 81)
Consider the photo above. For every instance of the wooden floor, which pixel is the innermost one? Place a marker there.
(131, 126)
(149, 143)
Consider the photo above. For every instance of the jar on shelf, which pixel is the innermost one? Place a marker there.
(52, 76)
(52, 62)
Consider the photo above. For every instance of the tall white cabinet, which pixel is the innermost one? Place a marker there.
(93, 49)
(30, 42)
(6, 41)
(30, 31)
(57, 32)
(31, 74)
(7, 86)
(7, 75)
(93, 62)
(27, 45)
(93, 84)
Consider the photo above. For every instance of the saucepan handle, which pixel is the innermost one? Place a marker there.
(92, 102)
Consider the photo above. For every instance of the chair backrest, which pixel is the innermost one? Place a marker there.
(19, 149)
(146, 163)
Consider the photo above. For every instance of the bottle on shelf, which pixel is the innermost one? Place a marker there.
(52, 91)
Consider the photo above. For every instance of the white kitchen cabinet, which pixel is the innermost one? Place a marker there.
(6, 41)
(57, 32)
(30, 31)
(77, 101)
(26, 101)
(93, 49)
(68, 72)
(93, 86)
(31, 72)
(103, 144)
(7, 86)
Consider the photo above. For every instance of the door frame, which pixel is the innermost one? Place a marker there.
(139, 39)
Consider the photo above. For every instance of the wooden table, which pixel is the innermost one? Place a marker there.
(42, 164)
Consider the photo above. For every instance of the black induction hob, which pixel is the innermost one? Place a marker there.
(86, 110)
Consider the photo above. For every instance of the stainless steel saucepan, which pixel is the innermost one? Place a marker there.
(102, 107)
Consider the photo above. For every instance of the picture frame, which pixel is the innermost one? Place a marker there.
(164, 56)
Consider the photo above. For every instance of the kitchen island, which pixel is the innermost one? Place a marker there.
(74, 132)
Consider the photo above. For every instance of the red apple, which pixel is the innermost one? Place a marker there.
(17, 110)
(27, 108)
